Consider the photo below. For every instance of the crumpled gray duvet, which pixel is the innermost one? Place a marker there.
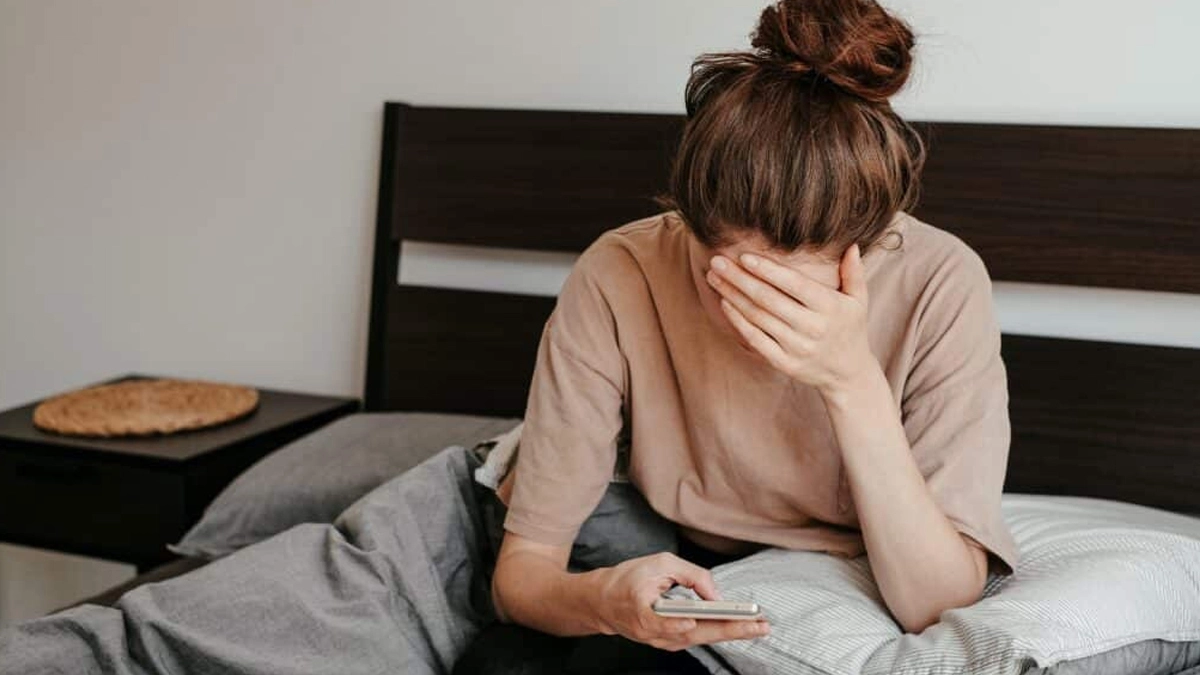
(391, 587)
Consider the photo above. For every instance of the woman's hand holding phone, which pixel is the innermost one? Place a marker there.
(628, 592)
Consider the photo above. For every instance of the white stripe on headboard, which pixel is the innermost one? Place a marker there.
(1140, 317)
(1112, 314)
(476, 268)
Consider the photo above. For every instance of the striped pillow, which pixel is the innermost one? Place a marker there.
(1094, 576)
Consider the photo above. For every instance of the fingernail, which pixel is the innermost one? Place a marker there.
(749, 260)
(718, 263)
(711, 278)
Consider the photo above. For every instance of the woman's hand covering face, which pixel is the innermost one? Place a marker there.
(803, 328)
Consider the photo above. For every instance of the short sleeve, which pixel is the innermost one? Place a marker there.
(955, 404)
(573, 418)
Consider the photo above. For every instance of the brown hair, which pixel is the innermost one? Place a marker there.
(796, 140)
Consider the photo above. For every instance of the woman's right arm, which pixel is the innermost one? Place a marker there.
(567, 453)
(531, 586)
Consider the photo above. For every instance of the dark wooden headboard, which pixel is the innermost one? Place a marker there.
(1064, 205)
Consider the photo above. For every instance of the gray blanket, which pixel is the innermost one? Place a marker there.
(392, 587)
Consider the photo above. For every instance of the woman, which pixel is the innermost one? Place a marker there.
(795, 361)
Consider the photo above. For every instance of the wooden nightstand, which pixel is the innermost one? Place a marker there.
(126, 499)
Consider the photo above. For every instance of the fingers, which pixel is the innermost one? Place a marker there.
(674, 633)
(691, 575)
(665, 626)
(853, 274)
(708, 632)
(798, 285)
(734, 282)
(755, 337)
(652, 626)
(769, 323)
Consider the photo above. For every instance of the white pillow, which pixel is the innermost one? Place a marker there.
(1094, 575)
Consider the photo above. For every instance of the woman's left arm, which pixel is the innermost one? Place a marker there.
(922, 564)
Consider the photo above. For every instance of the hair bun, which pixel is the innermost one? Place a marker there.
(855, 44)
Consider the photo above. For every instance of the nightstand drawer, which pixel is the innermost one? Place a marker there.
(89, 506)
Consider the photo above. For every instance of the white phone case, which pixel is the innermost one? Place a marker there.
(707, 609)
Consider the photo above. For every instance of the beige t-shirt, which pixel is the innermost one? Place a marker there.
(721, 443)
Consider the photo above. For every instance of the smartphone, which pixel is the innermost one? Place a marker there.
(707, 609)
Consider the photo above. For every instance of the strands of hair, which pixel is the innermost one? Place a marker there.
(796, 139)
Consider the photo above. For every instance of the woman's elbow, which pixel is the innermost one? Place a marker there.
(917, 619)
(926, 609)
(915, 627)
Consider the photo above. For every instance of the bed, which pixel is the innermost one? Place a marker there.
(1074, 206)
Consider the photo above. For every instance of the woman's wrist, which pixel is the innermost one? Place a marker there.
(850, 391)
(592, 593)
(532, 591)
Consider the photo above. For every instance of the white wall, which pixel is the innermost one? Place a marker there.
(188, 188)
